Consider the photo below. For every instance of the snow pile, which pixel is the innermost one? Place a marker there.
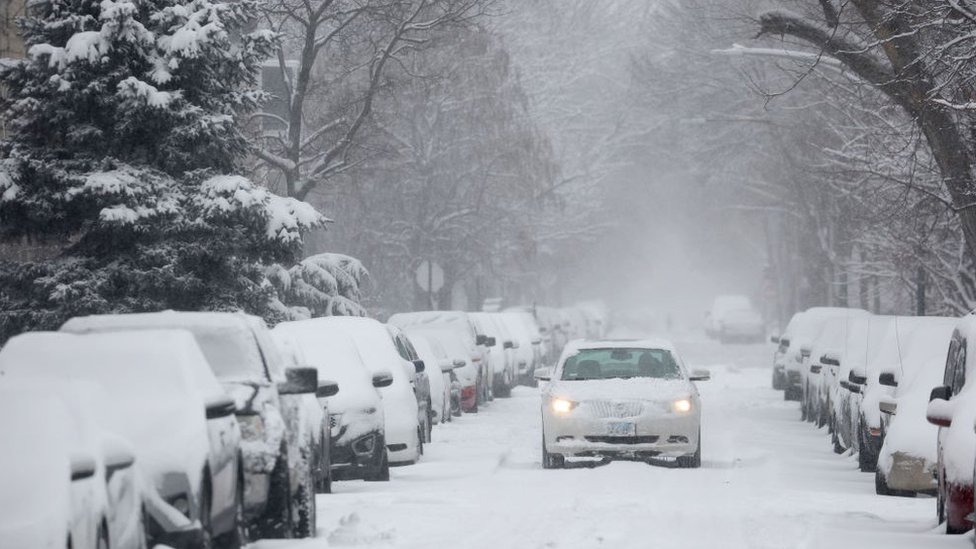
(352, 532)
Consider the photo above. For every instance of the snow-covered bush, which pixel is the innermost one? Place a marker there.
(123, 147)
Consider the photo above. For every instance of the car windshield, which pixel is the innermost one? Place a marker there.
(620, 363)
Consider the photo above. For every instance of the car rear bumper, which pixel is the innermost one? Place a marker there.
(911, 473)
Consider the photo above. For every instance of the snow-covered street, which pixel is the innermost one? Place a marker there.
(767, 481)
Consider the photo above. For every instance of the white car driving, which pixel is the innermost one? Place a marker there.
(631, 400)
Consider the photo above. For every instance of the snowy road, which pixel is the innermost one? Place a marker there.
(767, 481)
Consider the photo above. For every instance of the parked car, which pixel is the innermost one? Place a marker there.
(525, 331)
(621, 400)
(865, 337)
(952, 408)
(247, 363)
(821, 371)
(54, 490)
(432, 352)
(550, 326)
(419, 379)
(733, 318)
(356, 416)
(314, 469)
(907, 460)
(801, 337)
(158, 382)
(402, 415)
(502, 361)
(477, 345)
(782, 342)
(464, 377)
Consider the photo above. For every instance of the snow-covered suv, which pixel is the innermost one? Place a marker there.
(249, 366)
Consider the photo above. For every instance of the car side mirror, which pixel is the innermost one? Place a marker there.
(419, 366)
(774, 339)
(447, 366)
(508, 345)
(326, 389)
(382, 379)
(852, 387)
(481, 339)
(888, 379)
(299, 381)
(939, 410)
(888, 406)
(855, 378)
(815, 368)
(700, 374)
(459, 363)
(830, 359)
(805, 352)
(537, 341)
(82, 466)
(542, 374)
(942, 392)
(222, 406)
(491, 342)
(118, 454)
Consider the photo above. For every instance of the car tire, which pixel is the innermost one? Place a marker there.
(551, 461)
(867, 457)
(835, 440)
(303, 506)
(204, 512)
(420, 441)
(276, 521)
(381, 473)
(238, 536)
(691, 461)
(102, 541)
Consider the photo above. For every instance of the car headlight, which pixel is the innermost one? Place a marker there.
(561, 405)
(181, 503)
(681, 406)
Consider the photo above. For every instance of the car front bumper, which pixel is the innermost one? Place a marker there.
(666, 436)
(354, 459)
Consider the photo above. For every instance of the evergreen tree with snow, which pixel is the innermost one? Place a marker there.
(124, 144)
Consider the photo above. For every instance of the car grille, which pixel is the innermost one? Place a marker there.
(624, 440)
(611, 409)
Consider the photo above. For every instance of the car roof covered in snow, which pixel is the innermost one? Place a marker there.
(227, 339)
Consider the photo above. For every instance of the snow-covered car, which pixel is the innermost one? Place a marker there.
(247, 363)
(782, 342)
(166, 402)
(865, 337)
(952, 408)
(801, 336)
(432, 352)
(907, 460)
(404, 438)
(464, 377)
(54, 491)
(419, 379)
(821, 371)
(734, 318)
(475, 343)
(524, 329)
(621, 400)
(551, 329)
(356, 415)
(315, 471)
(502, 361)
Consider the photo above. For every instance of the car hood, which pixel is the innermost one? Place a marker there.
(622, 389)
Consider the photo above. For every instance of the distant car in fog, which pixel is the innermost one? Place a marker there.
(631, 400)
(733, 318)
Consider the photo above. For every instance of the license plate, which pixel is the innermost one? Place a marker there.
(621, 429)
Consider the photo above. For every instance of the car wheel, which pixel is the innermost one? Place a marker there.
(420, 441)
(206, 540)
(835, 440)
(692, 461)
(276, 522)
(867, 456)
(237, 537)
(381, 473)
(303, 505)
(102, 541)
(551, 461)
